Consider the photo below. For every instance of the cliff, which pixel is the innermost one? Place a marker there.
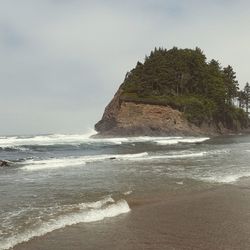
(130, 118)
(174, 92)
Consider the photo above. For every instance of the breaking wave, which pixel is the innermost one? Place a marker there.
(173, 141)
(190, 155)
(75, 161)
(44, 140)
(231, 178)
(83, 213)
(22, 142)
(33, 164)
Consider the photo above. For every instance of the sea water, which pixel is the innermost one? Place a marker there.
(60, 180)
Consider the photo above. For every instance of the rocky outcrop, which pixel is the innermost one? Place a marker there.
(4, 163)
(123, 117)
(109, 118)
(175, 92)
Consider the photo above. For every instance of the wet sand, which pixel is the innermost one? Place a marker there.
(212, 219)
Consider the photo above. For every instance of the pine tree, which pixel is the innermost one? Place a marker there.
(231, 84)
(184, 80)
(247, 96)
(241, 97)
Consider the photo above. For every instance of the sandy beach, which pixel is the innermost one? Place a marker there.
(218, 218)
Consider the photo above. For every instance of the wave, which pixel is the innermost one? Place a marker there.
(34, 164)
(171, 156)
(87, 212)
(232, 178)
(172, 141)
(75, 161)
(190, 155)
(128, 192)
(22, 143)
(15, 141)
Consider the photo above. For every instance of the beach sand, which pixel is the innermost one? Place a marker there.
(218, 218)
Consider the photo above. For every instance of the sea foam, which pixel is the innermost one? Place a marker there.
(75, 161)
(82, 160)
(88, 212)
(21, 142)
(172, 141)
(171, 156)
(232, 178)
(44, 140)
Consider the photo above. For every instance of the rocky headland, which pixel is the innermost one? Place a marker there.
(175, 92)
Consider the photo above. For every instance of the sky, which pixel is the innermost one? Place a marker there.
(61, 61)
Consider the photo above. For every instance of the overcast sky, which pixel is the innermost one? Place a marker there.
(61, 61)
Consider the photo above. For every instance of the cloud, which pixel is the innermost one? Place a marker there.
(62, 60)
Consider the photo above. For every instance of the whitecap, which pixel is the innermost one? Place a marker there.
(179, 183)
(128, 192)
(78, 139)
(172, 141)
(173, 156)
(75, 161)
(232, 178)
(45, 140)
(99, 211)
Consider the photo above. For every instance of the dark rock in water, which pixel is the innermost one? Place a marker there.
(112, 158)
(4, 163)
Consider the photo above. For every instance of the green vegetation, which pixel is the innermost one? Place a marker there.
(183, 79)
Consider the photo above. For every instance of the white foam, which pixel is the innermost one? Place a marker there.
(43, 140)
(96, 204)
(128, 192)
(167, 142)
(91, 215)
(176, 156)
(151, 139)
(179, 183)
(232, 178)
(75, 161)
(172, 141)
(52, 163)
(82, 160)
(77, 139)
(200, 154)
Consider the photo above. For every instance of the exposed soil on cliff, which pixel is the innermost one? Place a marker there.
(129, 118)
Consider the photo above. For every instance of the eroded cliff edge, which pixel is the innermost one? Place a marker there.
(124, 117)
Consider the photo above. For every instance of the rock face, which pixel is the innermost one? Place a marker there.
(128, 118)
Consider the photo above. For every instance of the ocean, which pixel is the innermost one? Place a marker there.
(56, 181)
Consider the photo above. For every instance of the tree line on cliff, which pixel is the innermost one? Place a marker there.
(185, 80)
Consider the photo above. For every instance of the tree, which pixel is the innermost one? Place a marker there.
(215, 83)
(247, 96)
(185, 80)
(231, 84)
(241, 98)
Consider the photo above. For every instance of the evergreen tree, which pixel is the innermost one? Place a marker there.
(231, 84)
(241, 98)
(247, 96)
(183, 79)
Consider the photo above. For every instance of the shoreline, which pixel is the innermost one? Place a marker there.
(217, 218)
